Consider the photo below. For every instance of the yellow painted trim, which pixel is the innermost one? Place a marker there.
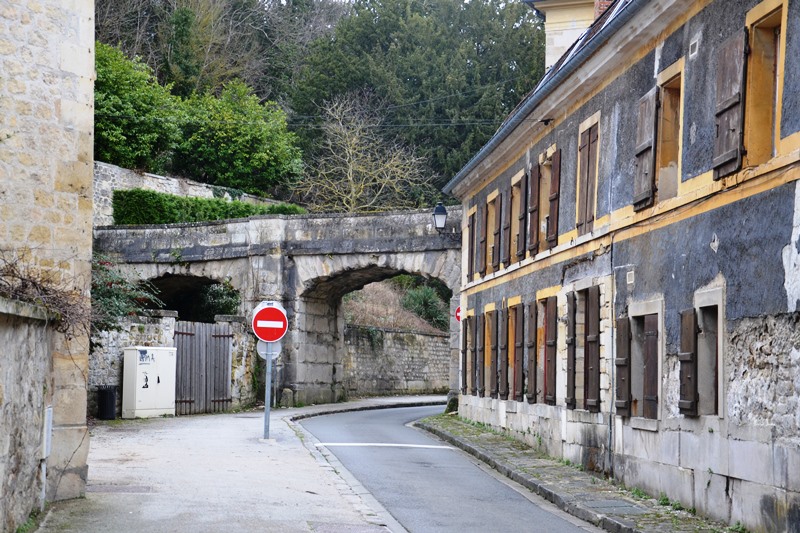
(488, 308)
(516, 178)
(762, 10)
(547, 292)
(470, 312)
(472, 210)
(670, 72)
(492, 195)
(790, 144)
(514, 301)
(589, 122)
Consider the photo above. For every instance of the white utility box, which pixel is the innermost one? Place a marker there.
(148, 384)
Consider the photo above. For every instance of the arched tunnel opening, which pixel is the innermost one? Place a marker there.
(357, 338)
(196, 298)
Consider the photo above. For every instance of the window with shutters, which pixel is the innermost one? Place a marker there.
(729, 105)
(491, 352)
(638, 357)
(516, 347)
(670, 131)
(700, 355)
(543, 200)
(532, 362)
(502, 354)
(762, 131)
(481, 352)
(588, 140)
(494, 227)
(583, 349)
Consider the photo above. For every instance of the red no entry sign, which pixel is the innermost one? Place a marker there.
(458, 314)
(270, 323)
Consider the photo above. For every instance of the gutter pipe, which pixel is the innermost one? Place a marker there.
(620, 19)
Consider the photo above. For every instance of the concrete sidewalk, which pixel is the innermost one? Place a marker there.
(213, 473)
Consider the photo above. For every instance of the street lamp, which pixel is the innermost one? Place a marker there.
(439, 217)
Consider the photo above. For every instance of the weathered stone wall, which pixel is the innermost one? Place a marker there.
(106, 361)
(109, 178)
(46, 124)
(24, 382)
(385, 361)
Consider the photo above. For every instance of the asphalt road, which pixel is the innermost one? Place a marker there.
(426, 485)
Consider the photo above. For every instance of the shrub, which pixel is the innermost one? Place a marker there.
(236, 141)
(217, 299)
(116, 295)
(135, 117)
(139, 206)
(424, 302)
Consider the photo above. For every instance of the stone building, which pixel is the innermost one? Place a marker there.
(632, 273)
(46, 125)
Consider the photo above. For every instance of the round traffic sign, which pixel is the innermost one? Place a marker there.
(458, 314)
(270, 324)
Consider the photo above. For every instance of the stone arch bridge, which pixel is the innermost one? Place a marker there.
(306, 262)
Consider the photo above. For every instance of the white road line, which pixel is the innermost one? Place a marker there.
(380, 445)
(269, 324)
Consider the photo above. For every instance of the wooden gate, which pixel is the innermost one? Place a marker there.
(203, 380)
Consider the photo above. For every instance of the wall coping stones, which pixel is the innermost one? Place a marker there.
(24, 310)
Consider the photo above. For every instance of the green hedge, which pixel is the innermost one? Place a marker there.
(139, 206)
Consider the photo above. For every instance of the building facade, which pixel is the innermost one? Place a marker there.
(631, 243)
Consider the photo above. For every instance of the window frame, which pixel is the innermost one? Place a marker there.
(587, 174)
(638, 311)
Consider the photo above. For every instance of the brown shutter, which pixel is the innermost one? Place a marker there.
(592, 181)
(498, 223)
(645, 152)
(555, 183)
(483, 224)
(551, 323)
(583, 178)
(650, 385)
(533, 208)
(471, 238)
(521, 236)
(570, 398)
(532, 354)
(519, 347)
(591, 352)
(473, 330)
(622, 361)
(502, 333)
(505, 255)
(492, 318)
(731, 70)
(481, 368)
(688, 360)
(464, 333)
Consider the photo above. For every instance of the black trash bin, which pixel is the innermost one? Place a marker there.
(107, 402)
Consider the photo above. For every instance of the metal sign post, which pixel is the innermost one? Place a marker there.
(270, 325)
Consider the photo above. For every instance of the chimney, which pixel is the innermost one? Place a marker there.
(564, 22)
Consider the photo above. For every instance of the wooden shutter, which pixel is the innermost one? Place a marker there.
(483, 224)
(521, 236)
(591, 351)
(532, 354)
(645, 152)
(505, 249)
(731, 70)
(502, 333)
(463, 357)
(471, 238)
(570, 398)
(622, 361)
(587, 153)
(473, 354)
(519, 347)
(551, 323)
(482, 355)
(650, 385)
(688, 359)
(492, 318)
(555, 183)
(592, 182)
(533, 208)
(498, 223)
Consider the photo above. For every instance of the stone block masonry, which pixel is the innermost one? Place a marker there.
(385, 361)
(46, 123)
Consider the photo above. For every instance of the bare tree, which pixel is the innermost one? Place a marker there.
(358, 171)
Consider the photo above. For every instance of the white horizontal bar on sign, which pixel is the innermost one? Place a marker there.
(269, 324)
(380, 445)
